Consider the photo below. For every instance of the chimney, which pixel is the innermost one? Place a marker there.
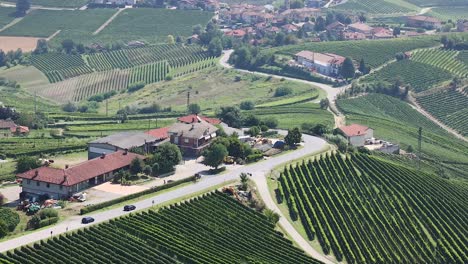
(36, 173)
(193, 120)
(66, 166)
(103, 155)
(125, 151)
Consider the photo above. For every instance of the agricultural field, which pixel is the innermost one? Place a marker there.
(165, 237)
(210, 88)
(44, 23)
(452, 12)
(151, 25)
(463, 57)
(383, 7)
(59, 66)
(60, 3)
(448, 106)
(395, 121)
(290, 116)
(6, 15)
(444, 59)
(364, 210)
(374, 53)
(37, 144)
(430, 3)
(419, 75)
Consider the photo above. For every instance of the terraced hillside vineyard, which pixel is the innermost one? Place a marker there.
(186, 233)
(374, 53)
(377, 6)
(449, 106)
(395, 121)
(365, 210)
(419, 75)
(447, 60)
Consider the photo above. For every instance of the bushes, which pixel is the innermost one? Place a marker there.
(45, 217)
(48, 221)
(135, 87)
(3, 229)
(25, 163)
(10, 218)
(247, 105)
(254, 157)
(95, 207)
(282, 91)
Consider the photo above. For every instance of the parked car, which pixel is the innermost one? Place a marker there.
(87, 220)
(129, 208)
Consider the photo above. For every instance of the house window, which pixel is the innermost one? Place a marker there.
(38, 183)
(48, 185)
(186, 140)
(60, 187)
(29, 181)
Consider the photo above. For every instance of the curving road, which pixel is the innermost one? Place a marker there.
(259, 170)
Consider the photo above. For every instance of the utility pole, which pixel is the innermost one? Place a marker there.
(188, 100)
(35, 103)
(107, 107)
(149, 124)
(419, 147)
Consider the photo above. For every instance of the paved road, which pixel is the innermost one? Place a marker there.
(259, 170)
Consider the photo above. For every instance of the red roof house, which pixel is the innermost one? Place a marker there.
(357, 134)
(62, 183)
(189, 119)
(160, 133)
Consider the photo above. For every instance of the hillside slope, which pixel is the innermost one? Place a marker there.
(365, 210)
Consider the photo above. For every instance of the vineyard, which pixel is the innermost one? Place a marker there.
(444, 59)
(450, 107)
(6, 15)
(374, 53)
(186, 233)
(419, 75)
(364, 210)
(149, 73)
(453, 13)
(19, 146)
(58, 66)
(394, 120)
(431, 3)
(377, 6)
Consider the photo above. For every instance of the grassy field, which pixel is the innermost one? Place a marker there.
(360, 205)
(43, 23)
(383, 7)
(420, 76)
(6, 15)
(290, 116)
(374, 53)
(152, 25)
(211, 89)
(7, 171)
(60, 3)
(394, 120)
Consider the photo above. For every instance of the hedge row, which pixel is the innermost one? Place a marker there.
(48, 221)
(98, 206)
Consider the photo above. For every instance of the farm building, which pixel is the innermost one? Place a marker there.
(189, 119)
(361, 28)
(357, 134)
(192, 138)
(8, 128)
(462, 25)
(323, 63)
(122, 141)
(62, 183)
(423, 21)
(300, 14)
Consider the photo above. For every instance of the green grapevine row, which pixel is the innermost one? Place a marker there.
(373, 6)
(364, 210)
(185, 233)
(443, 59)
(58, 66)
(149, 73)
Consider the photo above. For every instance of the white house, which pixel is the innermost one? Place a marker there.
(357, 134)
(323, 63)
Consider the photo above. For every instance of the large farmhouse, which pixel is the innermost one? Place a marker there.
(192, 138)
(62, 183)
(423, 21)
(357, 134)
(323, 63)
(122, 141)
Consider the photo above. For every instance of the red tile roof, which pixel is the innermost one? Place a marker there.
(195, 118)
(354, 130)
(22, 129)
(424, 19)
(83, 171)
(236, 33)
(160, 133)
(6, 124)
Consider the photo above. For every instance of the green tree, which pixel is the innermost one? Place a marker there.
(319, 24)
(22, 6)
(69, 107)
(235, 147)
(293, 137)
(166, 156)
(215, 47)
(230, 115)
(147, 170)
(270, 122)
(136, 166)
(197, 29)
(254, 131)
(215, 155)
(3, 229)
(410, 149)
(244, 179)
(396, 31)
(2, 199)
(280, 39)
(247, 105)
(10, 218)
(271, 215)
(324, 103)
(68, 45)
(41, 47)
(194, 109)
(25, 163)
(3, 58)
(347, 69)
(241, 57)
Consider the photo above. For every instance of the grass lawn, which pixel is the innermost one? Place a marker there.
(211, 89)
(43, 23)
(152, 24)
(7, 14)
(7, 170)
(69, 159)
